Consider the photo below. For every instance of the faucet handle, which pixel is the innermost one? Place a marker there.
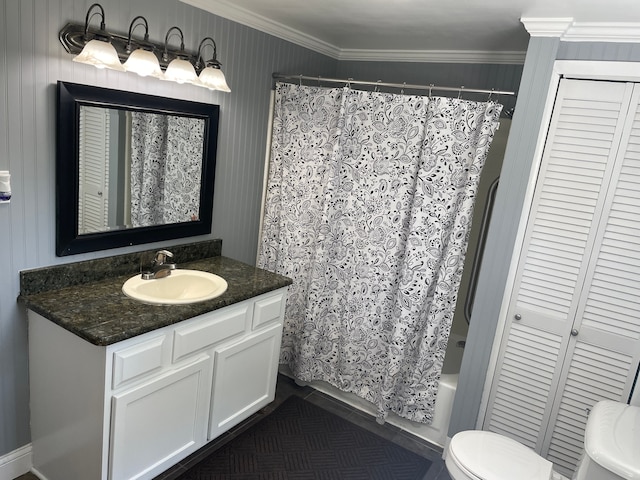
(161, 256)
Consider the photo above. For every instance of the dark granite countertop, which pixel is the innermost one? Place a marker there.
(101, 314)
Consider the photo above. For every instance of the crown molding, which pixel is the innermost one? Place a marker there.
(245, 17)
(603, 32)
(546, 27)
(434, 56)
(240, 15)
(571, 31)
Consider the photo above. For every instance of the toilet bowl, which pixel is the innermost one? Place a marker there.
(612, 443)
(480, 455)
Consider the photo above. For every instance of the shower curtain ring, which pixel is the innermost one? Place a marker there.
(430, 89)
(300, 80)
(378, 82)
(460, 91)
(490, 94)
(404, 84)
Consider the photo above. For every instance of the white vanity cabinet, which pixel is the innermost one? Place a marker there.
(132, 409)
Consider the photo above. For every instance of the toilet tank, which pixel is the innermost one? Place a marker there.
(611, 443)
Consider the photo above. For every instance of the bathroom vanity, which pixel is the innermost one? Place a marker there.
(121, 389)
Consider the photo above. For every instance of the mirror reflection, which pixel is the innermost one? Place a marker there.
(137, 169)
(131, 168)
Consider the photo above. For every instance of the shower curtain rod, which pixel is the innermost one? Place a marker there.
(350, 81)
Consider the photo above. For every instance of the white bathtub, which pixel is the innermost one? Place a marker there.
(436, 433)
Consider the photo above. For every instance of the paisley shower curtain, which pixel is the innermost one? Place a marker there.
(166, 161)
(368, 208)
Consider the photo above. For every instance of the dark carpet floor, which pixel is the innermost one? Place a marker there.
(301, 441)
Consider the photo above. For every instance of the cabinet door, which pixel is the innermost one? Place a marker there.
(244, 378)
(156, 424)
(604, 349)
(546, 375)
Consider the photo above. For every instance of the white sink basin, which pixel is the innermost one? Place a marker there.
(179, 288)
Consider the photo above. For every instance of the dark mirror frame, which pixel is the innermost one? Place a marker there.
(70, 96)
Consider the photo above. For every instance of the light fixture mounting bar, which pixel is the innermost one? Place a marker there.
(73, 40)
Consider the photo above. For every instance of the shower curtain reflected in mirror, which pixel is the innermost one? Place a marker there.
(368, 208)
(166, 163)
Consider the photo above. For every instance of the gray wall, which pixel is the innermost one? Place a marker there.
(519, 157)
(480, 76)
(32, 61)
(619, 52)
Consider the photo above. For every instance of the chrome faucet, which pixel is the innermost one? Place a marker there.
(161, 267)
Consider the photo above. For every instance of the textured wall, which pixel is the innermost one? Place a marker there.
(619, 52)
(480, 76)
(32, 61)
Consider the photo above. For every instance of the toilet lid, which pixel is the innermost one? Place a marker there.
(612, 438)
(489, 456)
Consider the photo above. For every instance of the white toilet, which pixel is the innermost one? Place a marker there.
(611, 451)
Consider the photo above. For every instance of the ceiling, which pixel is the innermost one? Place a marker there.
(419, 30)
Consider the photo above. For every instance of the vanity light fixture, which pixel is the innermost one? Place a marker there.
(144, 57)
(98, 51)
(143, 60)
(211, 75)
(179, 70)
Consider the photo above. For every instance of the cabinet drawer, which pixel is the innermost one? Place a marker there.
(210, 330)
(139, 359)
(268, 309)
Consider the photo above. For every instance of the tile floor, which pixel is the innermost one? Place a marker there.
(286, 387)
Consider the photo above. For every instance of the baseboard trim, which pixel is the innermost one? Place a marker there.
(15, 463)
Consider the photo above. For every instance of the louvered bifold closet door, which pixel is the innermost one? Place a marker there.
(584, 134)
(93, 201)
(603, 356)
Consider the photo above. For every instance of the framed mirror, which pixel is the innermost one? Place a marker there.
(131, 168)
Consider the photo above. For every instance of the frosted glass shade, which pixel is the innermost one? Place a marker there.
(180, 71)
(99, 54)
(213, 79)
(144, 63)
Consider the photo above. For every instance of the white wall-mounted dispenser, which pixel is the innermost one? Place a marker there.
(5, 186)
